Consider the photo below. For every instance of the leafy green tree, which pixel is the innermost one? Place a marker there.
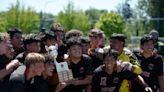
(94, 15)
(111, 23)
(72, 18)
(152, 9)
(2, 22)
(18, 16)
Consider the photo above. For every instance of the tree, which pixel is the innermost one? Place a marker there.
(94, 15)
(111, 23)
(72, 18)
(154, 9)
(2, 22)
(17, 16)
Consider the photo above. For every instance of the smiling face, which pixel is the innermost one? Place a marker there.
(148, 47)
(110, 63)
(75, 51)
(49, 68)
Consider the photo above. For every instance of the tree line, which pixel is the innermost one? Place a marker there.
(124, 20)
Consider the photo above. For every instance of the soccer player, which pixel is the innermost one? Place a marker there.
(108, 79)
(23, 76)
(151, 63)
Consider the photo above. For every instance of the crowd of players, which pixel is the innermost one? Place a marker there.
(98, 63)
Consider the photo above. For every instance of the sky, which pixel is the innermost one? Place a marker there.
(55, 6)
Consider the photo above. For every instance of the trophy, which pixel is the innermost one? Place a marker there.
(63, 72)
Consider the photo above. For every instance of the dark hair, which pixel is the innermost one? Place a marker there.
(155, 34)
(48, 58)
(33, 58)
(73, 41)
(96, 32)
(145, 39)
(13, 31)
(84, 39)
(120, 37)
(57, 27)
(112, 53)
(30, 38)
(47, 35)
(73, 33)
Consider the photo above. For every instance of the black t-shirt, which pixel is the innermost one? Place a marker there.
(4, 83)
(3, 61)
(39, 85)
(96, 61)
(61, 51)
(152, 68)
(80, 70)
(18, 80)
(104, 82)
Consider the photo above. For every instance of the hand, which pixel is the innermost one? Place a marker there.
(126, 66)
(148, 89)
(60, 86)
(73, 82)
(13, 64)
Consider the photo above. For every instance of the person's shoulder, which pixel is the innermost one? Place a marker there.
(158, 57)
(127, 51)
(18, 74)
(86, 56)
(86, 59)
(138, 54)
(99, 69)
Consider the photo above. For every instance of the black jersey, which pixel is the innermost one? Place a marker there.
(3, 61)
(4, 83)
(39, 85)
(96, 61)
(80, 70)
(152, 68)
(18, 82)
(61, 51)
(104, 82)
